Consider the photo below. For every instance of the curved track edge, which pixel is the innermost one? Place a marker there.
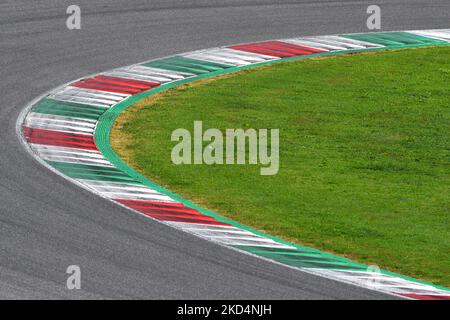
(68, 129)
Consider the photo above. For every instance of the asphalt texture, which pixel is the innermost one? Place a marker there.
(47, 224)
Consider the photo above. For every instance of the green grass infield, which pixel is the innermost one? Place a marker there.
(364, 154)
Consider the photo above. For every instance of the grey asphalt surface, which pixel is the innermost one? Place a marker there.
(47, 224)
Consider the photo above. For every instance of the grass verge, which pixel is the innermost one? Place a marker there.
(364, 148)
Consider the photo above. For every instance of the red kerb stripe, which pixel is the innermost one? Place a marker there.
(140, 84)
(61, 139)
(115, 84)
(168, 211)
(277, 49)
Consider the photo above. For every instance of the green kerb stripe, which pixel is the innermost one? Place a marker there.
(82, 171)
(304, 258)
(68, 109)
(189, 65)
(390, 39)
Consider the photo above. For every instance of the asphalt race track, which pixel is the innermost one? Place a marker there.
(47, 224)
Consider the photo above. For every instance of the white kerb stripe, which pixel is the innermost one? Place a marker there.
(341, 42)
(228, 56)
(87, 96)
(129, 192)
(59, 123)
(386, 282)
(436, 34)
